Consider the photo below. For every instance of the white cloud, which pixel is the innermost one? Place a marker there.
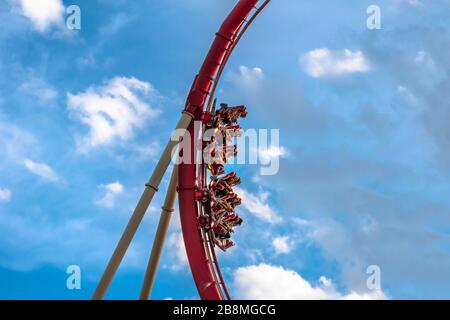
(43, 13)
(301, 222)
(251, 74)
(326, 63)
(115, 24)
(282, 244)
(258, 205)
(112, 190)
(15, 143)
(148, 150)
(38, 89)
(176, 243)
(266, 282)
(5, 195)
(413, 3)
(42, 170)
(112, 111)
(268, 154)
(248, 78)
(420, 56)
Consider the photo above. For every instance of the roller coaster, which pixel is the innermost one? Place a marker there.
(206, 207)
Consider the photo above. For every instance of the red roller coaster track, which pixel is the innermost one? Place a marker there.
(191, 177)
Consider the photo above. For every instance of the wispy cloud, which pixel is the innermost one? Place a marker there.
(282, 244)
(41, 169)
(148, 150)
(37, 88)
(267, 154)
(258, 205)
(251, 74)
(111, 191)
(15, 143)
(323, 62)
(112, 111)
(176, 243)
(5, 195)
(247, 77)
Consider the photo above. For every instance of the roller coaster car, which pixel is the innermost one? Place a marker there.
(236, 201)
(220, 154)
(220, 188)
(216, 169)
(222, 234)
(220, 218)
(219, 215)
(232, 179)
(230, 132)
(222, 231)
(230, 115)
(230, 197)
(226, 152)
(234, 220)
(228, 224)
(222, 205)
(225, 135)
(204, 221)
(224, 244)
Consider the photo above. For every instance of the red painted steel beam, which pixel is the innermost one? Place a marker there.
(200, 267)
(216, 55)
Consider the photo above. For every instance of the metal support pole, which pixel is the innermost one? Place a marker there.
(139, 212)
(161, 233)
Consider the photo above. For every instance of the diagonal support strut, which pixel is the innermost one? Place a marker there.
(139, 212)
(160, 237)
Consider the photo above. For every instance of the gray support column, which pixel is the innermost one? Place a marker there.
(160, 237)
(139, 212)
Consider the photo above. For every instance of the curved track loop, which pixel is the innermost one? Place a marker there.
(191, 178)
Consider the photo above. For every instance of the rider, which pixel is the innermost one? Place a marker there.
(225, 227)
(216, 169)
(230, 115)
(223, 200)
(232, 179)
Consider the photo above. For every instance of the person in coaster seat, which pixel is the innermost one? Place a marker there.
(216, 169)
(232, 199)
(232, 179)
(219, 154)
(227, 203)
(224, 244)
(224, 152)
(230, 115)
(223, 186)
(222, 231)
(235, 201)
(225, 134)
(222, 205)
(221, 189)
(234, 220)
(225, 227)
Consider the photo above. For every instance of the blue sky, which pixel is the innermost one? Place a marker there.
(363, 118)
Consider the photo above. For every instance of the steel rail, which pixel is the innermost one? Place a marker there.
(206, 271)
